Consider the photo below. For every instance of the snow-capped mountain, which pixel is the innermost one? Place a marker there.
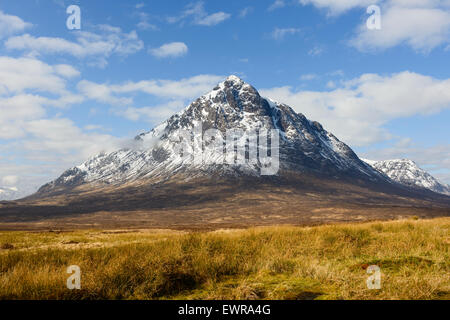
(304, 145)
(408, 173)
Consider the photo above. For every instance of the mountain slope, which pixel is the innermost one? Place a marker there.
(233, 105)
(408, 173)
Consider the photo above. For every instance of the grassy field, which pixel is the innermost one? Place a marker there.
(324, 262)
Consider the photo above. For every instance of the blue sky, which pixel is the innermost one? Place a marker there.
(66, 95)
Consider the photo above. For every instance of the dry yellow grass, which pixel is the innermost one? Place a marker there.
(324, 262)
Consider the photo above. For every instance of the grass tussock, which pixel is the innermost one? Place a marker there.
(324, 262)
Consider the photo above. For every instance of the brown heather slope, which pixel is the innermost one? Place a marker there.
(212, 203)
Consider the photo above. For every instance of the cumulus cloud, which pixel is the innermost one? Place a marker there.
(24, 87)
(16, 111)
(20, 74)
(422, 25)
(66, 71)
(101, 92)
(357, 110)
(172, 49)
(107, 41)
(11, 24)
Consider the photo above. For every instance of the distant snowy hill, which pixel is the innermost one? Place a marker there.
(408, 173)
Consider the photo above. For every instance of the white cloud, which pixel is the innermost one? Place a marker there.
(109, 40)
(175, 93)
(11, 24)
(10, 180)
(93, 127)
(277, 5)
(62, 136)
(358, 110)
(199, 16)
(335, 7)
(56, 144)
(144, 23)
(23, 84)
(281, 33)
(20, 74)
(186, 88)
(20, 81)
(173, 49)
(213, 19)
(66, 71)
(101, 93)
(153, 114)
(421, 25)
(28, 88)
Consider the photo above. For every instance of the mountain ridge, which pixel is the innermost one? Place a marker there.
(408, 173)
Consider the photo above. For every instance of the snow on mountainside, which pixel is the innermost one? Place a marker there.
(408, 173)
(232, 104)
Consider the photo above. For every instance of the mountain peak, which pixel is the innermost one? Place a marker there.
(304, 146)
(233, 78)
(232, 82)
(407, 172)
